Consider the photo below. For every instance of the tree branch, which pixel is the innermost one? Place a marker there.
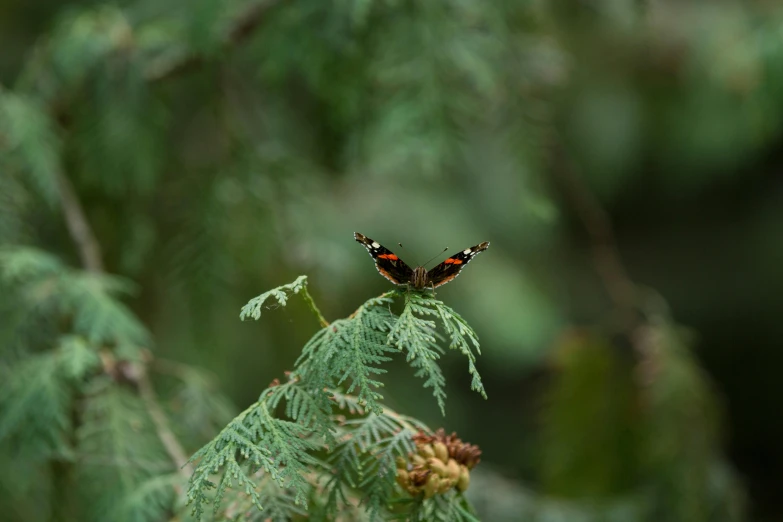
(311, 303)
(166, 436)
(622, 291)
(244, 26)
(78, 226)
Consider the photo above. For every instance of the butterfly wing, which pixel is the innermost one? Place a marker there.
(388, 264)
(451, 267)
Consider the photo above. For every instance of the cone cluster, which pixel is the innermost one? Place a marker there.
(441, 462)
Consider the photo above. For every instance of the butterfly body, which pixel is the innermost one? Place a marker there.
(395, 270)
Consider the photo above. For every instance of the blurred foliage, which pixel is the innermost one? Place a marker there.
(221, 148)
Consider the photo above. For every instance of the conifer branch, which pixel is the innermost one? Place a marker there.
(338, 368)
(415, 332)
(89, 248)
(280, 294)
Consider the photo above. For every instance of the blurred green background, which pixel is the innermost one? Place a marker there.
(220, 149)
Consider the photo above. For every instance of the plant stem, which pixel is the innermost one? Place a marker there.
(245, 25)
(311, 303)
(622, 291)
(78, 226)
(166, 436)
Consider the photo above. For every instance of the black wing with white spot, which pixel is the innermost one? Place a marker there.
(388, 264)
(451, 267)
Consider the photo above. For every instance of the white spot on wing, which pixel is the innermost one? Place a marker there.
(375, 244)
(466, 251)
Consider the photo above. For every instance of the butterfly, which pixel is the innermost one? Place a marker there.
(395, 270)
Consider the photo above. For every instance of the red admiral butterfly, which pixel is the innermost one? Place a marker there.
(395, 270)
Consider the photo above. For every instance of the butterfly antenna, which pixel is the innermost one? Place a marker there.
(436, 255)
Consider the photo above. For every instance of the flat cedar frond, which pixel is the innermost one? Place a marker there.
(97, 314)
(365, 457)
(461, 337)
(16, 204)
(36, 395)
(76, 46)
(336, 370)
(30, 144)
(280, 294)
(441, 508)
(310, 407)
(77, 358)
(415, 333)
(22, 264)
(254, 440)
(350, 351)
(119, 129)
(47, 287)
(34, 402)
(378, 466)
(150, 499)
(417, 337)
(196, 410)
(113, 442)
(279, 504)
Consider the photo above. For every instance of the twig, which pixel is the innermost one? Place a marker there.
(622, 291)
(311, 303)
(245, 25)
(626, 296)
(167, 437)
(78, 226)
(112, 461)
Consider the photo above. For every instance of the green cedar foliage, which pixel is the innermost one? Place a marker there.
(194, 149)
(646, 429)
(75, 433)
(323, 437)
(30, 144)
